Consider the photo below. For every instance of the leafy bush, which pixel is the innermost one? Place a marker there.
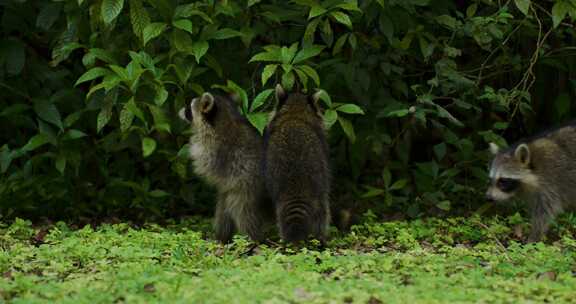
(90, 91)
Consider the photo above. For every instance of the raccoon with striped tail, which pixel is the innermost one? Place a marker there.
(296, 167)
(227, 152)
(540, 170)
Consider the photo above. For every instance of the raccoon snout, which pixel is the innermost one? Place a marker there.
(490, 198)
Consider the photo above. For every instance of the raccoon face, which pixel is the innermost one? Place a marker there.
(201, 110)
(510, 173)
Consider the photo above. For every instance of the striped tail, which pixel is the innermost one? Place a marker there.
(295, 220)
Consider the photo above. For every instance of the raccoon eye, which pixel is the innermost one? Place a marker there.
(507, 184)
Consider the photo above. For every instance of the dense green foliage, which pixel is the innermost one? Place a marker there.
(90, 90)
(424, 261)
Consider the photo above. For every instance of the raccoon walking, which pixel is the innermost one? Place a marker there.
(541, 170)
(296, 167)
(227, 151)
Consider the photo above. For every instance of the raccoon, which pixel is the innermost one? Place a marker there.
(227, 151)
(541, 170)
(296, 167)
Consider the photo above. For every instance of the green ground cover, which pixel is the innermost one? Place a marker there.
(422, 261)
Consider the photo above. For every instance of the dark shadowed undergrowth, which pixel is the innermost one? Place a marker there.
(423, 261)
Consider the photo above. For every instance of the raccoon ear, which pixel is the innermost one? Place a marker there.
(494, 149)
(206, 102)
(280, 93)
(522, 154)
(316, 102)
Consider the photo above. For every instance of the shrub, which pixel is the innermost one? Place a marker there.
(90, 91)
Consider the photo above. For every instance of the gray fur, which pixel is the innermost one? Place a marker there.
(545, 167)
(297, 168)
(227, 152)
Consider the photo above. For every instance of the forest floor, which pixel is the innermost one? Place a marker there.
(422, 261)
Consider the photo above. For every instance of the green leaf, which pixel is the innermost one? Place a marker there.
(325, 98)
(252, 2)
(342, 18)
(330, 118)
(308, 52)
(352, 41)
(315, 11)
(158, 193)
(523, 6)
(14, 109)
(60, 163)
(272, 53)
(148, 146)
(126, 117)
(111, 9)
(199, 49)
(160, 121)
(386, 177)
(103, 55)
(120, 71)
(48, 112)
(138, 17)
(258, 120)
(348, 128)
(440, 151)
(133, 108)
(339, 44)
(161, 95)
(183, 24)
(327, 33)
(152, 31)
(182, 41)
(350, 108)
(268, 72)
(387, 27)
(103, 117)
(310, 72)
(310, 30)
(74, 134)
(188, 10)
(48, 15)
(226, 33)
(260, 99)
(288, 80)
(372, 192)
(6, 157)
(303, 78)
(444, 205)
(559, 11)
(15, 56)
(240, 91)
(471, 10)
(91, 74)
(350, 5)
(562, 105)
(287, 54)
(399, 184)
(35, 142)
(426, 48)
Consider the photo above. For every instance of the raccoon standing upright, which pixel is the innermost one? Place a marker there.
(227, 151)
(296, 166)
(541, 170)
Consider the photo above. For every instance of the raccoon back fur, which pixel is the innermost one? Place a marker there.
(296, 167)
(541, 170)
(227, 152)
